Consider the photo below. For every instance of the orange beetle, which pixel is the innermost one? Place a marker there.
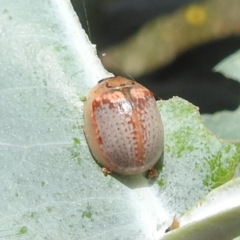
(123, 126)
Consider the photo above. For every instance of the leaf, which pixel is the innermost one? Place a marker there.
(50, 185)
(222, 226)
(221, 204)
(220, 199)
(214, 217)
(230, 66)
(193, 157)
(225, 124)
(168, 38)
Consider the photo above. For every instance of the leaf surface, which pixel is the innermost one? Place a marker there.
(50, 185)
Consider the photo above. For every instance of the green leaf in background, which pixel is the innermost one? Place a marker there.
(230, 66)
(226, 123)
(51, 188)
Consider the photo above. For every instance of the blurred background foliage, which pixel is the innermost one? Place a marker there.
(169, 46)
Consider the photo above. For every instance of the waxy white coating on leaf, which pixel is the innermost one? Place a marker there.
(123, 126)
(220, 199)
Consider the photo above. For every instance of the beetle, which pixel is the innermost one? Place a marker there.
(123, 126)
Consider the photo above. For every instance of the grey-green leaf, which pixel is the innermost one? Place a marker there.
(225, 124)
(51, 187)
(230, 66)
(222, 226)
(214, 217)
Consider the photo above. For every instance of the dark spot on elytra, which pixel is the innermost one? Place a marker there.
(99, 139)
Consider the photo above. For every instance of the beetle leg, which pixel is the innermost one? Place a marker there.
(106, 171)
(152, 173)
